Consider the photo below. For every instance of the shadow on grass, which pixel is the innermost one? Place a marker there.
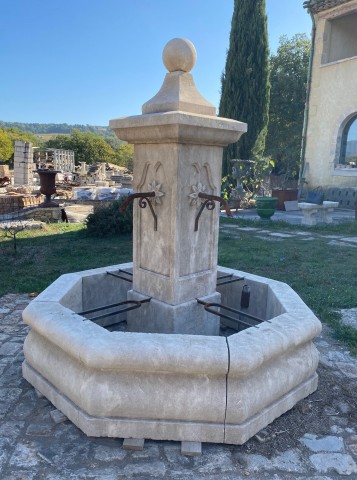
(44, 255)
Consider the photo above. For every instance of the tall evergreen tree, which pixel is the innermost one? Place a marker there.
(289, 68)
(245, 81)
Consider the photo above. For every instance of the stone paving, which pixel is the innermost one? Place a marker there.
(37, 442)
(337, 240)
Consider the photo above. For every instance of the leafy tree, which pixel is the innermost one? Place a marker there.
(7, 140)
(288, 78)
(6, 146)
(113, 141)
(124, 156)
(245, 81)
(88, 147)
(17, 134)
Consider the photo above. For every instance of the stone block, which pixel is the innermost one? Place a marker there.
(238, 434)
(66, 290)
(189, 318)
(250, 369)
(121, 427)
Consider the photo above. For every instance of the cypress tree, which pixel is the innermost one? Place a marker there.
(245, 81)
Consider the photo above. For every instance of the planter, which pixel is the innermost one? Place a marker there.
(47, 185)
(284, 195)
(266, 206)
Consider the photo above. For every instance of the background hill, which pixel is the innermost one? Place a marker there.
(51, 129)
(90, 143)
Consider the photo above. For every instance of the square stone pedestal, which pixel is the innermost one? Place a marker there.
(186, 318)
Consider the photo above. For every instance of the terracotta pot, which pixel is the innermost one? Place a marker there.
(284, 195)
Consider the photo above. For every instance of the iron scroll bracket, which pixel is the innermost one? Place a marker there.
(143, 203)
(210, 205)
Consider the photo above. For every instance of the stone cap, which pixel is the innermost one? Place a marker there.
(179, 92)
(178, 127)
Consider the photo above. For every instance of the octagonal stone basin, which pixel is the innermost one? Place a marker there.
(169, 387)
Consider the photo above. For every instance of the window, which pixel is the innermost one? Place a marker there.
(340, 38)
(348, 153)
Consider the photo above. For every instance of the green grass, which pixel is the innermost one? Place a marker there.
(323, 275)
(44, 255)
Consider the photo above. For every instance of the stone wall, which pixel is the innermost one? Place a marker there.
(14, 203)
(47, 215)
(347, 197)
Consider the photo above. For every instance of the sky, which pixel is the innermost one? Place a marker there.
(89, 61)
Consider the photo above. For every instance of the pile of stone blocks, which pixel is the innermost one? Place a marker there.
(14, 203)
(23, 163)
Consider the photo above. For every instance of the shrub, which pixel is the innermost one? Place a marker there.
(108, 220)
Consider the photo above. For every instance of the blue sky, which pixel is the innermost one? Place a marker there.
(88, 61)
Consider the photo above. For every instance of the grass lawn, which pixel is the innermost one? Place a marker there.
(44, 255)
(324, 275)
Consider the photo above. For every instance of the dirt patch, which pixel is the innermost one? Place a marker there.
(328, 411)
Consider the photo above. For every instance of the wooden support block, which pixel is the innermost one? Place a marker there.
(133, 443)
(57, 416)
(191, 449)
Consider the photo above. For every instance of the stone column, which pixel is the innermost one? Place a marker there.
(178, 154)
(83, 170)
(23, 163)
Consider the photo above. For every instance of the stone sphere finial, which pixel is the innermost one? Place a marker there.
(179, 55)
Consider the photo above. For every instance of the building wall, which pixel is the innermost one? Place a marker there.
(333, 96)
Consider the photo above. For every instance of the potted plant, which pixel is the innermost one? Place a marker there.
(252, 177)
(232, 191)
(265, 204)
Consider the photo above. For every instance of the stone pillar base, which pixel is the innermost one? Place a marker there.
(188, 318)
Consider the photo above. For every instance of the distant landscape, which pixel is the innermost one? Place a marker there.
(90, 143)
(48, 130)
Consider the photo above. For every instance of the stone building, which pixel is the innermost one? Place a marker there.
(330, 134)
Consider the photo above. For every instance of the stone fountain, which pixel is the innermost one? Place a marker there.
(171, 375)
